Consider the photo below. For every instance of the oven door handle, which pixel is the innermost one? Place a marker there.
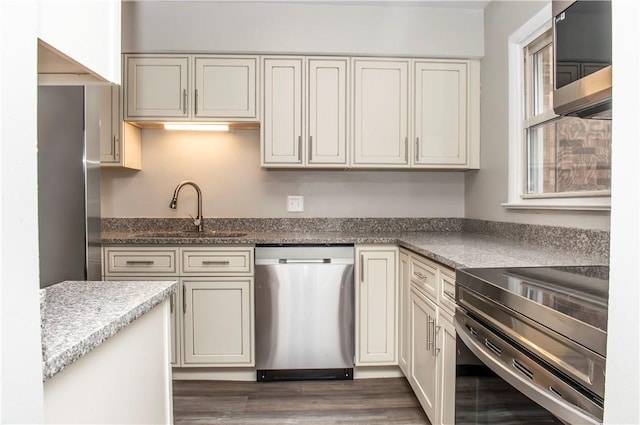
(565, 411)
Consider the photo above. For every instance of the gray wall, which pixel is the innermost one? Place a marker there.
(487, 188)
(227, 168)
(241, 26)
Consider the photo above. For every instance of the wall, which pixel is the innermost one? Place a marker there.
(227, 168)
(20, 349)
(487, 188)
(67, 25)
(276, 27)
(622, 390)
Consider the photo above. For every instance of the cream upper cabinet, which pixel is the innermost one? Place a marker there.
(225, 87)
(218, 321)
(305, 118)
(445, 115)
(157, 87)
(327, 112)
(120, 142)
(404, 325)
(380, 113)
(283, 116)
(176, 87)
(376, 300)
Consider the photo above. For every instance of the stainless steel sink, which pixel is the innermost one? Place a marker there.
(188, 234)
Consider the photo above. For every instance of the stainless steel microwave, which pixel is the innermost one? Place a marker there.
(582, 58)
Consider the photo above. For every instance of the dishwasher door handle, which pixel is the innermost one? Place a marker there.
(304, 260)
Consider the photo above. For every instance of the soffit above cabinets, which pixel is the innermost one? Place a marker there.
(56, 68)
(440, 4)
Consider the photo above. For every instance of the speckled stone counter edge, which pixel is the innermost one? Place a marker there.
(56, 363)
(405, 224)
(566, 238)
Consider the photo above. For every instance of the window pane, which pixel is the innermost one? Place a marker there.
(569, 155)
(543, 80)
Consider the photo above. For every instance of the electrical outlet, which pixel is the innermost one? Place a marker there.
(295, 203)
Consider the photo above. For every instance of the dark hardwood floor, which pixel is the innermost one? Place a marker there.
(363, 401)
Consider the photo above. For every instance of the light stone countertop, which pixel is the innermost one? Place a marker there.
(453, 249)
(78, 316)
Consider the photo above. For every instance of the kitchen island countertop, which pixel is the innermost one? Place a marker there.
(78, 316)
(453, 249)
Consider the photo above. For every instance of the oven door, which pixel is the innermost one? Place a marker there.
(539, 385)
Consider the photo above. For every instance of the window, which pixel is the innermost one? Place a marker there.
(555, 162)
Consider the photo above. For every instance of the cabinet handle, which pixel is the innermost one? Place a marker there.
(139, 263)
(310, 147)
(406, 150)
(420, 276)
(172, 302)
(436, 330)
(195, 103)
(184, 299)
(450, 295)
(430, 323)
(184, 101)
(361, 268)
(417, 149)
(115, 146)
(299, 148)
(216, 263)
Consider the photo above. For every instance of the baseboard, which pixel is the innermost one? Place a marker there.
(215, 374)
(370, 372)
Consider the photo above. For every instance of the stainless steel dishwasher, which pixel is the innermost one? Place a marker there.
(304, 312)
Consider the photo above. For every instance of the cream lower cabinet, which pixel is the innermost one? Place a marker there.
(212, 313)
(218, 321)
(376, 300)
(404, 324)
(423, 367)
(431, 359)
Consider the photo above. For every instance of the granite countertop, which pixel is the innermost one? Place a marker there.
(453, 249)
(77, 316)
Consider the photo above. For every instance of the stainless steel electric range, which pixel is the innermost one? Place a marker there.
(541, 329)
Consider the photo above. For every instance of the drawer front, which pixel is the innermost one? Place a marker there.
(425, 275)
(148, 262)
(221, 262)
(448, 290)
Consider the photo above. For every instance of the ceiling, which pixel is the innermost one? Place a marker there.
(448, 4)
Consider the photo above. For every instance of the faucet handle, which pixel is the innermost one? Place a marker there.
(196, 221)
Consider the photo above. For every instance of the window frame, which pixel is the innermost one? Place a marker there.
(517, 195)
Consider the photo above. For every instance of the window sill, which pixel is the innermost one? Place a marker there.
(570, 204)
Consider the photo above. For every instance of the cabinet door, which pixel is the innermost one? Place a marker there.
(327, 112)
(440, 114)
(157, 87)
(218, 321)
(225, 87)
(404, 281)
(120, 142)
(423, 361)
(380, 113)
(282, 123)
(376, 295)
(446, 358)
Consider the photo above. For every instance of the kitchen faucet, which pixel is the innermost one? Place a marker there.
(198, 221)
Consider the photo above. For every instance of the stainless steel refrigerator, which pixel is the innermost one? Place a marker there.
(69, 183)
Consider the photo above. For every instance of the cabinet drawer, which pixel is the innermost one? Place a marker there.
(448, 289)
(221, 262)
(144, 261)
(425, 275)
